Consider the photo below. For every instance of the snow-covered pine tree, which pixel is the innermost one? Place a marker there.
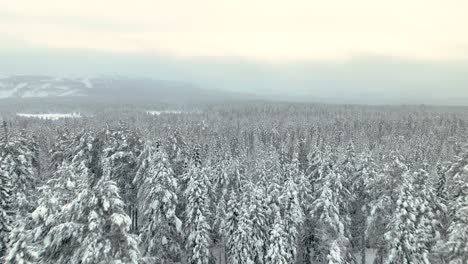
(278, 248)
(258, 210)
(241, 239)
(441, 200)
(383, 198)
(303, 155)
(363, 188)
(354, 168)
(61, 188)
(402, 240)
(248, 236)
(426, 220)
(60, 150)
(330, 214)
(455, 248)
(412, 229)
(308, 237)
(20, 249)
(19, 160)
(18, 157)
(122, 149)
(178, 153)
(5, 221)
(93, 228)
(230, 225)
(197, 215)
(161, 229)
(293, 214)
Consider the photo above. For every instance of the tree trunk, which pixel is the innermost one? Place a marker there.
(363, 248)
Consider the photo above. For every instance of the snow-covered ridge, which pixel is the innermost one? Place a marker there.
(50, 116)
(24, 86)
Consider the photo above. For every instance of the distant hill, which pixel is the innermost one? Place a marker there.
(113, 89)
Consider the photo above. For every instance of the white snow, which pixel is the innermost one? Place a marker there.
(6, 93)
(164, 112)
(87, 83)
(50, 116)
(371, 254)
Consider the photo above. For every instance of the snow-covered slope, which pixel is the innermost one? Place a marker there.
(22, 86)
(108, 88)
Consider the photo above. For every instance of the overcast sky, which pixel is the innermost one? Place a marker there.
(350, 49)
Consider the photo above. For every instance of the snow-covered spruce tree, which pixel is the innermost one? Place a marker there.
(365, 173)
(248, 233)
(356, 172)
(243, 248)
(177, 153)
(278, 248)
(60, 150)
(258, 210)
(330, 214)
(442, 212)
(27, 240)
(160, 229)
(401, 229)
(122, 149)
(455, 248)
(293, 214)
(409, 232)
(308, 237)
(19, 160)
(18, 156)
(221, 181)
(197, 215)
(303, 155)
(5, 221)
(230, 225)
(92, 227)
(426, 218)
(20, 249)
(383, 198)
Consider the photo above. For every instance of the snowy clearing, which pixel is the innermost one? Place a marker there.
(164, 112)
(50, 116)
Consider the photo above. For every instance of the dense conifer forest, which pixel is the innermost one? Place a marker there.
(236, 183)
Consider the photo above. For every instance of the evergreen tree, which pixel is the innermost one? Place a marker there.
(331, 215)
(243, 247)
(230, 226)
(19, 160)
(122, 150)
(278, 249)
(292, 212)
(384, 195)
(5, 221)
(258, 213)
(60, 151)
(426, 220)
(20, 248)
(157, 201)
(197, 216)
(93, 229)
(400, 238)
(89, 225)
(455, 248)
